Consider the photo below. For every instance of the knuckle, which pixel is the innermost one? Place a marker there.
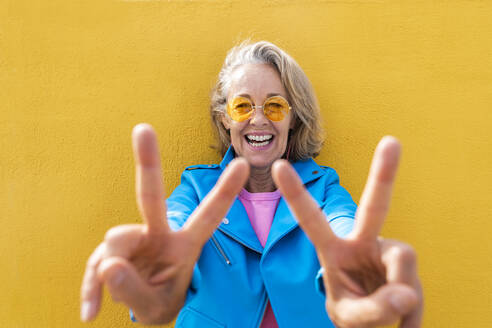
(405, 253)
(110, 266)
(342, 322)
(114, 264)
(339, 316)
(95, 257)
(112, 233)
(120, 233)
(91, 262)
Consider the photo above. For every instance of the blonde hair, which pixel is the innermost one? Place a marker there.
(306, 137)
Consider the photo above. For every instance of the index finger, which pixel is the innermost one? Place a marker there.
(307, 212)
(207, 216)
(149, 187)
(215, 205)
(375, 201)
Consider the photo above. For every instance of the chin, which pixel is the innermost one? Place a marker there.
(256, 162)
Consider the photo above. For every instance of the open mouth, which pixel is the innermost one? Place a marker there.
(259, 140)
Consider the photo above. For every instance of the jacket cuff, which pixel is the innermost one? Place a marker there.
(342, 225)
(132, 316)
(319, 284)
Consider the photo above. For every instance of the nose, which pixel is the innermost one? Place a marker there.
(258, 118)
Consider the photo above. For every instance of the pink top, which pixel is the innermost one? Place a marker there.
(261, 207)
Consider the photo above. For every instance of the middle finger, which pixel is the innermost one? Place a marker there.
(375, 200)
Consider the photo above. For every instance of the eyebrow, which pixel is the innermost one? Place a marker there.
(268, 95)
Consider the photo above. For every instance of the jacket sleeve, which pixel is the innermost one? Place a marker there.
(182, 202)
(339, 209)
(180, 205)
(338, 206)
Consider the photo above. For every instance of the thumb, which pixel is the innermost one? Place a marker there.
(385, 306)
(125, 284)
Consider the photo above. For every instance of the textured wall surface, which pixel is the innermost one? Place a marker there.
(75, 76)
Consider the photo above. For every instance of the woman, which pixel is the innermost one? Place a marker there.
(221, 260)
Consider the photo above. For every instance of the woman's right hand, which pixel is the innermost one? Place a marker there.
(148, 266)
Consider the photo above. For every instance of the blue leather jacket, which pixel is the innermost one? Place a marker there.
(235, 275)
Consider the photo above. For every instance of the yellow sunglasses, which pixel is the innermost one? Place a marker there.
(275, 108)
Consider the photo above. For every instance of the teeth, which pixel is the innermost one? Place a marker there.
(259, 144)
(259, 138)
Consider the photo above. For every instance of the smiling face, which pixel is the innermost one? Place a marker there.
(258, 139)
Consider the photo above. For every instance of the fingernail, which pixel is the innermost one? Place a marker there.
(401, 303)
(86, 310)
(117, 278)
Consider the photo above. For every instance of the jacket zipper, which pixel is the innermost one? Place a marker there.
(221, 251)
(239, 241)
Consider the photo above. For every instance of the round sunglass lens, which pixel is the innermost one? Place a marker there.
(276, 108)
(239, 109)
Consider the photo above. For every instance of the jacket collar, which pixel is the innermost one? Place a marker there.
(228, 157)
(238, 226)
(307, 169)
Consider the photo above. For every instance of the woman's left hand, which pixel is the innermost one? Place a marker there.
(369, 281)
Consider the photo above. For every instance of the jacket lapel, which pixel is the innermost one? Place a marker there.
(237, 226)
(284, 221)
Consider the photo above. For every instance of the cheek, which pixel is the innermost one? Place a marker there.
(235, 130)
(284, 130)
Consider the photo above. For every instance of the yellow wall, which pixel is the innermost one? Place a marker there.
(75, 76)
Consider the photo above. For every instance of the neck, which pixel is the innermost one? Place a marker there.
(260, 180)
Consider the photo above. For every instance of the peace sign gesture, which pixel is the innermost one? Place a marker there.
(147, 266)
(369, 281)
